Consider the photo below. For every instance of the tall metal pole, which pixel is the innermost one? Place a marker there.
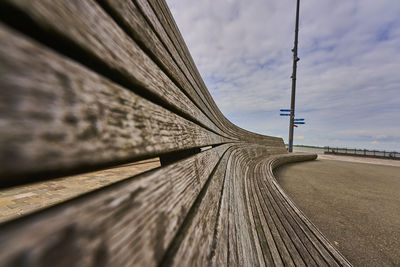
(295, 59)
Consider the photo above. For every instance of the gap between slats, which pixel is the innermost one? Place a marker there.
(138, 38)
(22, 22)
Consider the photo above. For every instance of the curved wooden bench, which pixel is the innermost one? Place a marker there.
(91, 84)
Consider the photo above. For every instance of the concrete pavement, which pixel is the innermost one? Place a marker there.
(355, 205)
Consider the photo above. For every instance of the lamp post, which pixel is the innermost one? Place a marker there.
(295, 59)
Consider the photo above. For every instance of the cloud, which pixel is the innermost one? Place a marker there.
(348, 84)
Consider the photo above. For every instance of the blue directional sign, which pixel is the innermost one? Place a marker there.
(285, 110)
(298, 119)
(299, 122)
(284, 114)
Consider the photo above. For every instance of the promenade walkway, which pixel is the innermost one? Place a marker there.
(355, 204)
(23, 199)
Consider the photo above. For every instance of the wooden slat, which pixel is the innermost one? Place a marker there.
(260, 175)
(57, 115)
(254, 223)
(140, 27)
(196, 247)
(298, 251)
(85, 25)
(168, 22)
(288, 251)
(163, 24)
(130, 17)
(275, 244)
(305, 247)
(128, 223)
(321, 250)
(163, 19)
(108, 49)
(268, 233)
(166, 19)
(321, 242)
(234, 236)
(95, 97)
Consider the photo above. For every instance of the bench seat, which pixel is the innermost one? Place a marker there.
(87, 85)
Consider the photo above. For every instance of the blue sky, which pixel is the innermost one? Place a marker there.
(348, 87)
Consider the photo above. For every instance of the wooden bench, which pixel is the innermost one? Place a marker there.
(90, 84)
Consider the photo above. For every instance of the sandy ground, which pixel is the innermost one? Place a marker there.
(19, 200)
(355, 205)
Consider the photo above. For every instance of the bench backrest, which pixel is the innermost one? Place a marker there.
(91, 84)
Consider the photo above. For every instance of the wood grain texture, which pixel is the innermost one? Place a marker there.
(167, 21)
(163, 19)
(88, 29)
(84, 27)
(228, 212)
(142, 25)
(270, 232)
(194, 247)
(158, 13)
(130, 223)
(279, 214)
(331, 254)
(119, 84)
(57, 115)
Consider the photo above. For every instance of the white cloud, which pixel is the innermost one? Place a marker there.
(348, 83)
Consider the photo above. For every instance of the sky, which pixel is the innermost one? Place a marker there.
(348, 79)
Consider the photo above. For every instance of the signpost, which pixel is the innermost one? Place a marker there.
(285, 110)
(295, 121)
(295, 59)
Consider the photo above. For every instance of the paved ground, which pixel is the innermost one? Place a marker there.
(388, 162)
(23, 199)
(356, 206)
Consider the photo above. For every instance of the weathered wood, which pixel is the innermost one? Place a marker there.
(324, 246)
(157, 43)
(118, 84)
(290, 240)
(194, 246)
(59, 116)
(164, 15)
(282, 238)
(108, 49)
(301, 232)
(129, 223)
(325, 252)
(164, 19)
(272, 202)
(298, 251)
(234, 234)
(278, 250)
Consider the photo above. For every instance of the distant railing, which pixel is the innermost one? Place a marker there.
(362, 152)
